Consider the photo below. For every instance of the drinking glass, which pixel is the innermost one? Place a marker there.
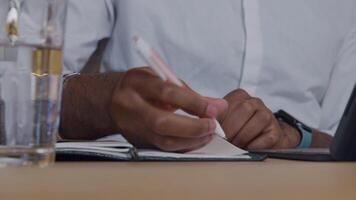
(31, 41)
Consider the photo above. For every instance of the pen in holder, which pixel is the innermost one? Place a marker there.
(12, 21)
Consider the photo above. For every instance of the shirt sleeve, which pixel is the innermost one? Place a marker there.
(341, 84)
(88, 22)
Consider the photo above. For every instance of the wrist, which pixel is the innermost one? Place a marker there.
(86, 102)
(304, 131)
(291, 134)
(113, 95)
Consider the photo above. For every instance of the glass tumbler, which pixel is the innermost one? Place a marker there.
(31, 41)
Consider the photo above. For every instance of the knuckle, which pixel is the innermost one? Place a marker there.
(130, 72)
(248, 106)
(266, 116)
(167, 91)
(129, 79)
(242, 92)
(239, 94)
(256, 102)
(133, 77)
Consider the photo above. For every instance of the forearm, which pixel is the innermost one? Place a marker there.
(86, 101)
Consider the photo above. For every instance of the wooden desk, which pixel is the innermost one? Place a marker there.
(273, 179)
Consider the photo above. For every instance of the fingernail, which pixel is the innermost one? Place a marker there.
(212, 111)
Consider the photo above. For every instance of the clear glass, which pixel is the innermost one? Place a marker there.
(31, 40)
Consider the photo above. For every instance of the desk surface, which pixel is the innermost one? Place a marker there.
(272, 179)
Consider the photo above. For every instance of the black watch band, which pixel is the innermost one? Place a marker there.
(304, 130)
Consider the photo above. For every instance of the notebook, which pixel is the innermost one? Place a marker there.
(116, 148)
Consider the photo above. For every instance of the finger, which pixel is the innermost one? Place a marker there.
(176, 144)
(237, 95)
(266, 141)
(170, 124)
(151, 87)
(237, 117)
(150, 119)
(220, 106)
(253, 128)
(234, 97)
(161, 92)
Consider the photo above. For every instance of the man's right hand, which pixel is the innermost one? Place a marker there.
(143, 109)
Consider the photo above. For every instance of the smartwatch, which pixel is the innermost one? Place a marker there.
(304, 130)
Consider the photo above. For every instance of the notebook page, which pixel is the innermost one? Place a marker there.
(114, 145)
(218, 148)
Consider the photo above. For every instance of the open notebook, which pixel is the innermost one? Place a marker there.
(116, 148)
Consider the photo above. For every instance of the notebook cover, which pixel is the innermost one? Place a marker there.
(69, 156)
(252, 157)
(316, 155)
(89, 156)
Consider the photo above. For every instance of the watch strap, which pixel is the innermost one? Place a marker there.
(305, 137)
(304, 130)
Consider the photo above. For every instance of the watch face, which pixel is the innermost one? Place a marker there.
(305, 127)
(290, 120)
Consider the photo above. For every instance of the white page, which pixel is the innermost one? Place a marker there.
(106, 147)
(92, 149)
(94, 144)
(217, 148)
(115, 137)
(110, 144)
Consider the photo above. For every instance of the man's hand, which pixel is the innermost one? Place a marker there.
(141, 107)
(249, 124)
(143, 110)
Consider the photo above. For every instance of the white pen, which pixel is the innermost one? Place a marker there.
(163, 70)
(12, 21)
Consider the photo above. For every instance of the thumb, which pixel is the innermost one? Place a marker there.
(216, 107)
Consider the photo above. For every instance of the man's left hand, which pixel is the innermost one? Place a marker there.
(249, 124)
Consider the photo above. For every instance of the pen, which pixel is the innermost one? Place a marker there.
(12, 19)
(163, 70)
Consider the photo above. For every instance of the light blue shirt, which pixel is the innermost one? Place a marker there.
(299, 56)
